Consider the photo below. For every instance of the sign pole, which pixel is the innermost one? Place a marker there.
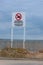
(24, 34)
(24, 39)
(11, 37)
(12, 33)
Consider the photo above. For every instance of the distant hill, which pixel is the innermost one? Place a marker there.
(33, 45)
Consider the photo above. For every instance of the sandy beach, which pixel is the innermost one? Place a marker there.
(20, 62)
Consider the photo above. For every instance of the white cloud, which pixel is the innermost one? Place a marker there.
(34, 37)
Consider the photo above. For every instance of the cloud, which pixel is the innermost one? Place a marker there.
(5, 30)
(5, 25)
(34, 37)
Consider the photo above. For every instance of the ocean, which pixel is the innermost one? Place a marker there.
(32, 45)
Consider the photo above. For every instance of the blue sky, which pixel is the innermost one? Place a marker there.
(34, 18)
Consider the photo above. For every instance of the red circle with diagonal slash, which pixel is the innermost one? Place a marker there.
(18, 16)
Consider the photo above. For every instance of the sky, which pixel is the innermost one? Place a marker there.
(33, 18)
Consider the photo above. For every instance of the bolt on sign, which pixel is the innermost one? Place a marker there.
(18, 19)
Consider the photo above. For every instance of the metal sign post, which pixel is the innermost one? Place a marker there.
(18, 20)
(24, 39)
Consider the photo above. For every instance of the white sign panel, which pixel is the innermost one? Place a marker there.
(18, 19)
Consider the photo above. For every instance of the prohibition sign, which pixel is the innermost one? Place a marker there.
(18, 16)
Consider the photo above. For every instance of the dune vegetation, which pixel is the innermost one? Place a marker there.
(20, 53)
